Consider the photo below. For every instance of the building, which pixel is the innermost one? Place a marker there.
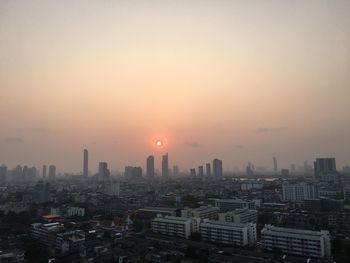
(3, 174)
(165, 166)
(41, 193)
(275, 167)
(324, 166)
(217, 169)
(112, 188)
(208, 170)
(45, 234)
(85, 163)
(200, 171)
(52, 173)
(232, 204)
(249, 185)
(298, 192)
(133, 173)
(103, 172)
(239, 216)
(150, 167)
(228, 233)
(75, 211)
(193, 172)
(44, 172)
(315, 244)
(346, 191)
(203, 212)
(176, 170)
(172, 226)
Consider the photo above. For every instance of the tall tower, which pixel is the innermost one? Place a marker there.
(44, 172)
(275, 167)
(103, 172)
(200, 171)
(165, 166)
(217, 169)
(85, 164)
(208, 170)
(150, 166)
(52, 172)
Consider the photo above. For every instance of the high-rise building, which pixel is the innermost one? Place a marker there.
(165, 166)
(132, 173)
(208, 170)
(3, 174)
(324, 166)
(103, 172)
(176, 170)
(41, 192)
(85, 164)
(275, 167)
(217, 169)
(150, 167)
(193, 172)
(52, 172)
(44, 172)
(200, 171)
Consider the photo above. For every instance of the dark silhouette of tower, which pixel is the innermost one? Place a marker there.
(275, 167)
(165, 166)
(150, 166)
(85, 163)
(217, 169)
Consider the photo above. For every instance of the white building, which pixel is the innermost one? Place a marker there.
(297, 192)
(175, 226)
(299, 242)
(203, 212)
(228, 233)
(75, 211)
(239, 216)
(248, 185)
(231, 204)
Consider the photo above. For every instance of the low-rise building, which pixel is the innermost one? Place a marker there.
(239, 216)
(175, 226)
(231, 204)
(299, 242)
(203, 212)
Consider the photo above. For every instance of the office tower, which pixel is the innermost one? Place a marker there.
(208, 170)
(165, 166)
(17, 174)
(44, 172)
(300, 242)
(3, 174)
(200, 171)
(132, 172)
(52, 173)
(193, 172)
(103, 172)
(324, 166)
(41, 192)
(176, 170)
(150, 167)
(217, 169)
(85, 164)
(275, 167)
(299, 192)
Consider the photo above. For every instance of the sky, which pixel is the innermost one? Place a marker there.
(236, 80)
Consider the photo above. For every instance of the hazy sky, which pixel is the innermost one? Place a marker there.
(238, 80)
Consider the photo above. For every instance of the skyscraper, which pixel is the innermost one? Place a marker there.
(165, 166)
(208, 169)
(275, 167)
(85, 163)
(150, 167)
(323, 166)
(52, 172)
(44, 172)
(200, 171)
(217, 169)
(3, 174)
(103, 172)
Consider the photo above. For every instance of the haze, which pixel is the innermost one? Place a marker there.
(238, 80)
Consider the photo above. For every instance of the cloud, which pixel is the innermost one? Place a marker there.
(192, 144)
(13, 140)
(271, 129)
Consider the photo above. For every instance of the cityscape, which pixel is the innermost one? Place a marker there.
(163, 131)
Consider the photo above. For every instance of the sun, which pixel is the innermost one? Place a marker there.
(159, 143)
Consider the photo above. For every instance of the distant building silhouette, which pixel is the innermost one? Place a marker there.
(44, 172)
(193, 172)
(176, 170)
(150, 167)
(52, 173)
(200, 171)
(3, 174)
(132, 173)
(324, 166)
(165, 166)
(85, 164)
(208, 170)
(103, 172)
(275, 167)
(217, 169)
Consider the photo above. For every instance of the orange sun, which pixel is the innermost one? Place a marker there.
(159, 143)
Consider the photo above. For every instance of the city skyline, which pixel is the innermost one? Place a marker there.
(241, 81)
